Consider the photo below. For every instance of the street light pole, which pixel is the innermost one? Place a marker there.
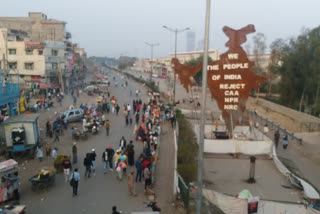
(151, 45)
(175, 31)
(203, 108)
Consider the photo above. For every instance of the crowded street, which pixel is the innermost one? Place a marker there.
(102, 190)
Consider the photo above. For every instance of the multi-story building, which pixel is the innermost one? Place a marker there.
(191, 41)
(54, 63)
(25, 59)
(45, 57)
(37, 25)
(39, 64)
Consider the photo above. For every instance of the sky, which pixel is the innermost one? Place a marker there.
(121, 27)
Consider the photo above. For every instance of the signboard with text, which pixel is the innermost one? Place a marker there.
(230, 79)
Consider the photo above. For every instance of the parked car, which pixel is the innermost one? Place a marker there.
(73, 115)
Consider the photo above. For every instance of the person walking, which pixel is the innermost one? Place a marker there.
(48, 150)
(16, 182)
(110, 156)
(285, 141)
(129, 109)
(147, 177)
(130, 153)
(56, 133)
(39, 153)
(74, 100)
(93, 156)
(117, 109)
(276, 138)
(54, 153)
(131, 184)
(105, 160)
(116, 158)
(139, 169)
(127, 121)
(66, 167)
(107, 127)
(87, 162)
(74, 153)
(75, 176)
(123, 143)
(137, 118)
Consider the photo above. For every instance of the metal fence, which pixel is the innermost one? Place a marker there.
(184, 192)
(273, 126)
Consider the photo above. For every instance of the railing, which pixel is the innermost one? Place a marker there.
(275, 126)
(9, 93)
(184, 192)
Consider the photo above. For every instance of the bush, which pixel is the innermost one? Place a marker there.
(188, 172)
(187, 153)
(187, 150)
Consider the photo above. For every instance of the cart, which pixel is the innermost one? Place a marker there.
(43, 179)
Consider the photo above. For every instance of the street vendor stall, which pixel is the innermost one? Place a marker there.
(7, 169)
(21, 132)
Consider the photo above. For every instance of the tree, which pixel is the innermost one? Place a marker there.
(259, 48)
(195, 62)
(300, 72)
(277, 50)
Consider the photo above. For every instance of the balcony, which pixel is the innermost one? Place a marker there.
(9, 93)
(68, 35)
(50, 59)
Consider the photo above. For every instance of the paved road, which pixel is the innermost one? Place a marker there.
(98, 193)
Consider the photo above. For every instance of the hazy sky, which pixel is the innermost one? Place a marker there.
(115, 27)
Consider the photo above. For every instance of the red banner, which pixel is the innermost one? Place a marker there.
(36, 78)
(33, 45)
(42, 86)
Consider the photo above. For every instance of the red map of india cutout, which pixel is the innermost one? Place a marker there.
(230, 79)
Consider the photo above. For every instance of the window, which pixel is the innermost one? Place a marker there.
(54, 65)
(12, 51)
(40, 52)
(28, 66)
(71, 113)
(77, 112)
(12, 65)
(54, 52)
(29, 52)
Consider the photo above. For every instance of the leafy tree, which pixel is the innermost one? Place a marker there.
(195, 62)
(277, 49)
(300, 72)
(259, 48)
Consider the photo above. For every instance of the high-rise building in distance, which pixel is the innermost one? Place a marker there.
(191, 40)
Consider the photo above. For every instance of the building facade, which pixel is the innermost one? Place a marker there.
(54, 63)
(37, 25)
(25, 59)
